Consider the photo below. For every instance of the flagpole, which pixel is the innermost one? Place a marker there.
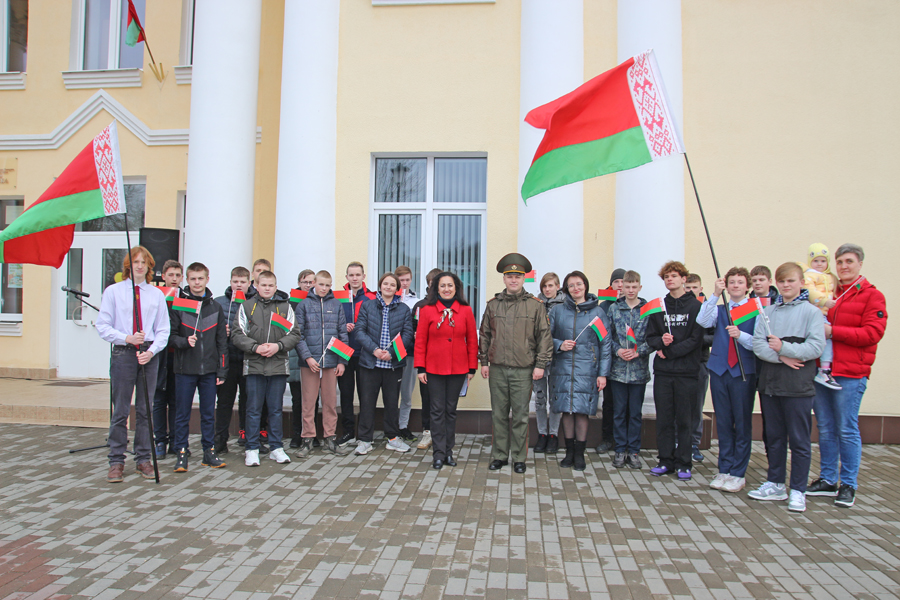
(715, 264)
(158, 71)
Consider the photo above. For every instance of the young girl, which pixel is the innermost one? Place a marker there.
(820, 283)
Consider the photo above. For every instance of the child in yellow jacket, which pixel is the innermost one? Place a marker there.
(820, 284)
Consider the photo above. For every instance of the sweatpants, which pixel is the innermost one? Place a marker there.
(676, 405)
(788, 421)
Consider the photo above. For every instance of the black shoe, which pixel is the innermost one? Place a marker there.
(211, 460)
(633, 461)
(604, 447)
(172, 449)
(181, 463)
(263, 449)
(316, 443)
(541, 446)
(346, 438)
(846, 496)
(619, 460)
(569, 460)
(160, 451)
(449, 461)
(221, 446)
(696, 455)
(580, 463)
(552, 444)
(408, 436)
(437, 464)
(497, 464)
(242, 438)
(519, 467)
(295, 441)
(820, 487)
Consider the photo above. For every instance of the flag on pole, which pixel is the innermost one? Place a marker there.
(170, 293)
(298, 295)
(530, 275)
(599, 328)
(89, 188)
(629, 336)
(607, 294)
(281, 323)
(744, 312)
(340, 348)
(398, 348)
(763, 301)
(134, 33)
(618, 120)
(652, 307)
(238, 297)
(342, 296)
(186, 305)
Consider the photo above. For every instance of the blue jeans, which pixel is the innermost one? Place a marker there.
(269, 390)
(185, 385)
(837, 417)
(628, 401)
(733, 404)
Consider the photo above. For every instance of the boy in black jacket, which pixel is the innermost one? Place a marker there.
(200, 338)
(677, 339)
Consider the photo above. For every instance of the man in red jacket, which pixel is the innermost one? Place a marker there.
(857, 322)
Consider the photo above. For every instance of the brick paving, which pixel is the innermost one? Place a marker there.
(388, 526)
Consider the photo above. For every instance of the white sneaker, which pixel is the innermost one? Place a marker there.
(251, 458)
(425, 442)
(719, 481)
(397, 444)
(769, 491)
(824, 377)
(364, 448)
(797, 503)
(733, 484)
(279, 456)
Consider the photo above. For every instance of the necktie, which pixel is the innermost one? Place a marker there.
(138, 325)
(732, 352)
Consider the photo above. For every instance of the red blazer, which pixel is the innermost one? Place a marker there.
(858, 321)
(446, 350)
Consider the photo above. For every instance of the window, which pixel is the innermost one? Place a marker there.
(103, 28)
(430, 211)
(135, 192)
(13, 35)
(10, 274)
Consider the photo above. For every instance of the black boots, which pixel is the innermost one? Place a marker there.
(580, 464)
(569, 460)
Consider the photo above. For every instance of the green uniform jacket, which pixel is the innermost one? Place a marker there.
(515, 332)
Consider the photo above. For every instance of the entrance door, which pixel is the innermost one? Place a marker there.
(93, 263)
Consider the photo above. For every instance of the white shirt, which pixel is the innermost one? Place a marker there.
(708, 318)
(409, 298)
(116, 319)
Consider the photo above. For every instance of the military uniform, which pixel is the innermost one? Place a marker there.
(514, 340)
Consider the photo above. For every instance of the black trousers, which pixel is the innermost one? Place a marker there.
(607, 422)
(426, 406)
(676, 405)
(444, 391)
(225, 396)
(371, 381)
(297, 410)
(788, 421)
(346, 384)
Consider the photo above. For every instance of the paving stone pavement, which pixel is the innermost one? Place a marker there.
(387, 525)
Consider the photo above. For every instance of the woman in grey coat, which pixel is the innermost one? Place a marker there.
(581, 362)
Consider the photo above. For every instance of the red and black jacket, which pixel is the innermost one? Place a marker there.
(858, 321)
(210, 353)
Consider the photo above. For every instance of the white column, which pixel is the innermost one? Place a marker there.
(222, 150)
(552, 64)
(649, 228)
(307, 143)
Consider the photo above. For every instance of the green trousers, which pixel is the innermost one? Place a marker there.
(510, 390)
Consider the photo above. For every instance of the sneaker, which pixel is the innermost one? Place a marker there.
(251, 458)
(408, 436)
(425, 442)
(279, 456)
(397, 444)
(316, 443)
(820, 487)
(733, 484)
(541, 446)
(684, 474)
(552, 444)
(604, 447)
(172, 449)
(160, 451)
(797, 503)
(846, 496)
(344, 440)
(332, 446)
(363, 448)
(181, 463)
(295, 442)
(824, 377)
(211, 460)
(634, 461)
(619, 460)
(221, 446)
(696, 455)
(660, 470)
(263, 449)
(769, 491)
(305, 448)
(263, 435)
(719, 481)
(242, 438)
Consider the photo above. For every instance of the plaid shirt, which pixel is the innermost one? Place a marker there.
(385, 342)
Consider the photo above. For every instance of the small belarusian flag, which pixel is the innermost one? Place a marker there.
(298, 295)
(607, 294)
(398, 348)
(134, 33)
(342, 296)
(340, 348)
(186, 305)
(763, 301)
(170, 293)
(238, 296)
(652, 307)
(281, 323)
(530, 275)
(744, 312)
(599, 328)
(629, 336)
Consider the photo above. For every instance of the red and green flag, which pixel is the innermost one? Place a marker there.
(652, 307)
(599, 328)
(238, 296)
(170, 293)
(530, 275)
(298, 295)
(763, 301)
(89, 188)
(342, 296)
(134, 33)
(744, 312)
(607, 294)
(186, 305)
(629, 336)
(280, 322)
(340, 348)
(618, 120)
(398, 348)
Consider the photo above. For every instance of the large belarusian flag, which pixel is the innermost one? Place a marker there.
(89, 188)
(134, 33)
(618, 120)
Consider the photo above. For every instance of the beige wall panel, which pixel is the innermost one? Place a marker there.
(791, 125)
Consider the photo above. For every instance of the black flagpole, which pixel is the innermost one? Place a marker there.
(134, 311)
(716, 265)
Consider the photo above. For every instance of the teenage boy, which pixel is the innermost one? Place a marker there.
(514, 349)
(630, 370)
(408, 384)
(425, 442)
(694, 284)
(164, 398)
(732, 394)
(676, 337)
(137, 338)
(265, 330)
(305, 282)
(201, 343)
(763, 288)
(234, 377)
(607, 425)
(359, 293)
(261, 265)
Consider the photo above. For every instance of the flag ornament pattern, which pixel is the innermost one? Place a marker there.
(607, 294)
(744, 312)
(599, 328)
(340, 348)
(629, 336)
(342, 296)
(298, 295)
(652, 307)
(281, 323)
(134, 33)
(530, 276)
(89, 188)
(238, 297)
(186, 305)
(618, 120)
(398, 348)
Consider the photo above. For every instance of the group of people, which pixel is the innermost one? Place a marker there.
(806, 345)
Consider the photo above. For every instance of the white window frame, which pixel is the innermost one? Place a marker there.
(112, 76)
(429, 211)
(9, 80)
(183, 70)
(15, 318)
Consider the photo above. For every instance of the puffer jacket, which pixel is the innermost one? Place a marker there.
(368, 330)
(209, 354)
(515, 332)
(820, 286)
(231, 309)
(549, 303)
(801, 329)
(319, 319)
(573, 374)
(253, 327)
(858, 321)
(621, 317)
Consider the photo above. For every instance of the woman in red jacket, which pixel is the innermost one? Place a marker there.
(446, 355)
(855, 325)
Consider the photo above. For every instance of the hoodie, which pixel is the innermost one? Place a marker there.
(684, 354)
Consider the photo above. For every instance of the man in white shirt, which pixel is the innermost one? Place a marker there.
(137, 338)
